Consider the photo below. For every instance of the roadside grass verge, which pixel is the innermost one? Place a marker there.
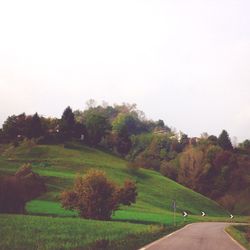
(241, 233)
(19, 232)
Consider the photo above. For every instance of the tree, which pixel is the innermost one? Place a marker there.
(11, 195)
(23, 126)
(168, 170)
(35, 127)
(224, 141)
(122, 144)
(160, 123)
(2, 137)
(12, 126)
(125, 125)
(67, 123)
(16, 190)
(245, 144)
(96, 126)
(33, 184)
(213, 139)
(95, 197)
(127, 194)
(184, 141)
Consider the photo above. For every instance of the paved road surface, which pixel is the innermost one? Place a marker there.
(197, 236)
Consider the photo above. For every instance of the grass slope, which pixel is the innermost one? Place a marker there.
(59, 166)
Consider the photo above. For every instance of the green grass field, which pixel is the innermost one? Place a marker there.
(59, 166)
(40, 232)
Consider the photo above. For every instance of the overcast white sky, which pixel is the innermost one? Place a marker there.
(186, 62)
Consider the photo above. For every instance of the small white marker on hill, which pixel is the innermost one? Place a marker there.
(231, 216)
(203, 213)
(185, 214)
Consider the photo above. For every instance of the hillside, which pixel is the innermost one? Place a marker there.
(222, 175)
(209, 164)
(59, 166)
(130, 228)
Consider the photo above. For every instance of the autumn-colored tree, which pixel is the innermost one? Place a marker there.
(95, 197)
(11, 200)
(33, 184)
(168, 170)
(127, 194)
(16, 190)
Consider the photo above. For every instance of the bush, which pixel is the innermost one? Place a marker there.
(127, 194)
(16, 190)
(95, 197)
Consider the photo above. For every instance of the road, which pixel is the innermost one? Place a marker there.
(197, 236)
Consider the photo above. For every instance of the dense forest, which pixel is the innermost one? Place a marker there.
(208, 164)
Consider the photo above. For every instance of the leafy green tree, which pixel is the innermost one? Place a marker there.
(97, 126)
(245, 144)
(12, 128)
(224, 141)
(125, 125)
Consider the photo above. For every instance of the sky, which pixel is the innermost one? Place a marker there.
(186, 62)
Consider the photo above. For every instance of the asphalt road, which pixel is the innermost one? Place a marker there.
(197, 236)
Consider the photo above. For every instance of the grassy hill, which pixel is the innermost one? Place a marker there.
(59, 166)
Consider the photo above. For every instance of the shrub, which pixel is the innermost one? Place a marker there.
(95, 197)
(127, 194)
(16, 190)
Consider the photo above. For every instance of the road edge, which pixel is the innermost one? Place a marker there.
(163, 238)
(234, 240)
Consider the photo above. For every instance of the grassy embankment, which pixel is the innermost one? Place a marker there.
(240, 233)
